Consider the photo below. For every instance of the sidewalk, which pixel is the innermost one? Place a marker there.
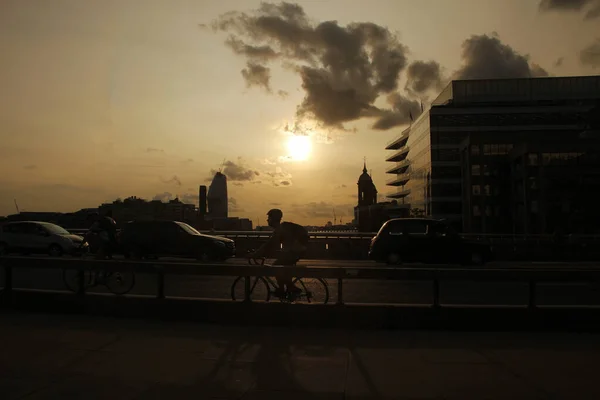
(78, 357)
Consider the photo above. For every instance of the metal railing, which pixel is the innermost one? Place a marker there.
(370, 235)
(435, 275)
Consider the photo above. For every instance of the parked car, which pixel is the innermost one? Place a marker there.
(28, 237)
(425, 240)
(140, 239)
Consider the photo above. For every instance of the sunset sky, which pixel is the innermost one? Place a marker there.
(103, 99)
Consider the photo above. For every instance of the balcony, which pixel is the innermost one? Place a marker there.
(399, 142)
(399, 180)
(399, 194)
(400, 155)
(399, 168)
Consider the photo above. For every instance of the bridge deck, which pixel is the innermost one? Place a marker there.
(54, 356)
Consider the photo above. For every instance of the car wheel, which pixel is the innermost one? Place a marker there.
(477, 258)
(55, 250)
(394, 258)
(3, 249)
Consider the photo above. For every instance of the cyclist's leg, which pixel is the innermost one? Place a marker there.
(284, 279)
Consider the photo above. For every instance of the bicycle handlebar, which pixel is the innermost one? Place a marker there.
(256, 261)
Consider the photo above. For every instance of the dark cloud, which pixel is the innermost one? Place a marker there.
(257, 75)
(559, 62)
(283, 94)
(279, 177)
(486, 57)
(256, 53)
(154, 150)
(343, 69)
(424, 75)
(30, 166)
(236, 171)
(590, 55)
(322, 210)
(173, 179)
(164, 197)
(238, 184)
(189, 198)
(592, 6)
(400, 113)
(233, 205)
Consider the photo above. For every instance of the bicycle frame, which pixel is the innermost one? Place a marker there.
(289, 296)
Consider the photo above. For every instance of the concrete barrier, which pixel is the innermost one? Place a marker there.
(355, 316)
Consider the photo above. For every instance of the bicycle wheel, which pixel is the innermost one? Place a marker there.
(119, 282)
(71, 279)
(259, 289)
(314, 290)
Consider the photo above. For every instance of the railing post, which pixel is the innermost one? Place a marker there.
(160, 282)
(340, 287)
(8, 281)
(80, 282)
(247, 289)
(436, 293)
(532, 289)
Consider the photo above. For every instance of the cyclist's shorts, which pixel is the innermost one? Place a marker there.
(287, 258)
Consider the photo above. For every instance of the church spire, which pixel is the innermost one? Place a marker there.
(365, 165)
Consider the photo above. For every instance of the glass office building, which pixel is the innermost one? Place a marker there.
(460, 160)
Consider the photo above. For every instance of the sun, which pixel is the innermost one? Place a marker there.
(299, 147)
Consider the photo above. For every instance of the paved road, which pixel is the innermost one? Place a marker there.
(360, 291)
(80, 357)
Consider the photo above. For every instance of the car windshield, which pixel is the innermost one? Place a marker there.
(188, 229)
(55, 229)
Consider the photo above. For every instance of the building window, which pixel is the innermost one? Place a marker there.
(534, 206)
(476, 190)
(476, 211)
(533, 159)
(497, 149)
(447, 189)
(474, 149)
(488, 211)
(486, 170)
(475, 170)
(487, 190)
(447, 172)
(447, 155)
(533, 183)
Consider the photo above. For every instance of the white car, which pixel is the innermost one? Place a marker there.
(27, 237)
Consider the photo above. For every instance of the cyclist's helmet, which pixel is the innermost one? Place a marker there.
(275, 214)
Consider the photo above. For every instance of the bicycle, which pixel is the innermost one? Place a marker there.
(116, 282)
(265, 287)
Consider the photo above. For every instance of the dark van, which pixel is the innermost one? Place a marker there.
(425, 240)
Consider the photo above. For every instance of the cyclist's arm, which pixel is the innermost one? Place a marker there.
(268, 247)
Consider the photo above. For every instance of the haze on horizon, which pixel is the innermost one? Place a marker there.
(109, 99)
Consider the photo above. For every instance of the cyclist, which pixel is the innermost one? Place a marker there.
(104, 231)
(292, 239)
